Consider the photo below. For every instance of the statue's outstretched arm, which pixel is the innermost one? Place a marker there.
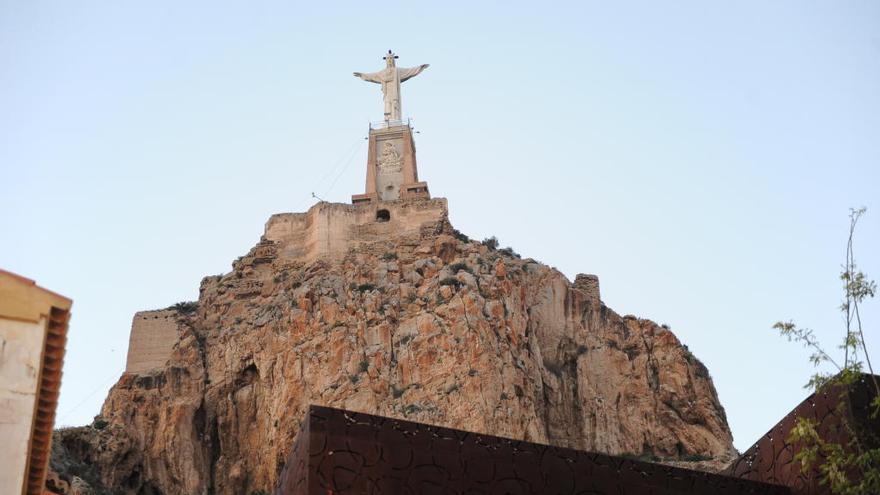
(411, 72)
(373, 77)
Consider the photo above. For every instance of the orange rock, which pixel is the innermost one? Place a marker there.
(500, 268)
(517, 350)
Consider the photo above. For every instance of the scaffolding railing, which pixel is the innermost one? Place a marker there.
(387, 124)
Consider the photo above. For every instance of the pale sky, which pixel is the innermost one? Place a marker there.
(699, 157)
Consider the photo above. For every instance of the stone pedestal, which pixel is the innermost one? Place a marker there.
(391, 167)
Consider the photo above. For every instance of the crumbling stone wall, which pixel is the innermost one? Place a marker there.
(332, 229)
(153, 334)
(589, 285)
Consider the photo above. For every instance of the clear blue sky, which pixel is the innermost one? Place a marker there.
(700, 157)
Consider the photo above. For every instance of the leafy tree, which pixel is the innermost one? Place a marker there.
(851, 468)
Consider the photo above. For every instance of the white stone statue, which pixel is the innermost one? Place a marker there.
(390, 78)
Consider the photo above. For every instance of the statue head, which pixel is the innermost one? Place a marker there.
(389, 58)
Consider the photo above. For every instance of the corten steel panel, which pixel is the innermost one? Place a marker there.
(771, 459)
(344, 452)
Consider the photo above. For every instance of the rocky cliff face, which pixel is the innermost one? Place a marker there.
(429, 327)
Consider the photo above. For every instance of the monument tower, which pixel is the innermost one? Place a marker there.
(391, 158)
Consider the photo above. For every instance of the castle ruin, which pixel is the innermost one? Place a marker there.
(394, 202)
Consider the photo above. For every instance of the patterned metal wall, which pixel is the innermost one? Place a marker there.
(771, 459)
(344, 452)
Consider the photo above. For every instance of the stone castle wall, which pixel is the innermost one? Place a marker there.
(589, 284)
(331, 229)
(153, 334)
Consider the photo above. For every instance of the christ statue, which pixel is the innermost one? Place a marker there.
(390, 78)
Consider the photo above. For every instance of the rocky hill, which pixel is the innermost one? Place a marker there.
(428, 326)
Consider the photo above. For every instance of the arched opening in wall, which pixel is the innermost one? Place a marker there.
(383, 215)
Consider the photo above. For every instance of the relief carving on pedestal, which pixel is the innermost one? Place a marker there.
(389, 160)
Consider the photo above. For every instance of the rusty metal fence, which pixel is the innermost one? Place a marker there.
(341, 452)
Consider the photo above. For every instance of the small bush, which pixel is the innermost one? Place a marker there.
(693, 361)
(100, 424)
(510, 252)
(647, 455)
(397, 392)
(363, 366)
(695, 458)
(411, 409)
(461, 237)
(491, 243)
(366, 287)
(457, 267)
(451, 281)
(389, 256)
(688, 355)
(185, 307)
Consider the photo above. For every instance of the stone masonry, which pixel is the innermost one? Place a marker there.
(332, 229)
(153, 334)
